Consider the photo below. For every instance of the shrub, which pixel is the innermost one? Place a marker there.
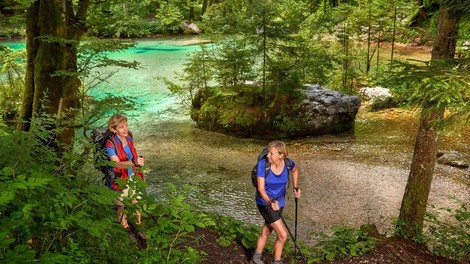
(343, 243)
(450, 238)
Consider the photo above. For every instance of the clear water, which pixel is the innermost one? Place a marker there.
(158, 59)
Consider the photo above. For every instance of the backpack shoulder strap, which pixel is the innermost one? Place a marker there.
(267, 168)
(288, 164)
(289, 170)
(111, 139)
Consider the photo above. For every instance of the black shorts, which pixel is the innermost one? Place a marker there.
(270, 216)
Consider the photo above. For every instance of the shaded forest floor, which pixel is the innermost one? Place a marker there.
(387, 251)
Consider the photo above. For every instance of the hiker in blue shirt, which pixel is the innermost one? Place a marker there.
(270, 197)
(121, 150)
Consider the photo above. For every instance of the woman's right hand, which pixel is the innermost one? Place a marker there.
(275, 205)
(140, 161)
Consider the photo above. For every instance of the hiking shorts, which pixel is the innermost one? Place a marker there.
(270, 216)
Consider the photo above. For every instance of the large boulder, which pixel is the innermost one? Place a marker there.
(191, 28)
(321, 111)
(375, 93)
(378, 98)
(328, 111)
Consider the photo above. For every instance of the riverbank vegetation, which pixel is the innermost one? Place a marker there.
(264, 51)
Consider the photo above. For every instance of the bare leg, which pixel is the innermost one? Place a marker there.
(138, 213)
(122, 217)
(281, 238)
(139, 217)
(263, 238)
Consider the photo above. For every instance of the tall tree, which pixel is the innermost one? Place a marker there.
(54, 29)
(413, 207)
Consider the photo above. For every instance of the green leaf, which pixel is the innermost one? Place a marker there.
(16, 214)
(7, 241)
(6, 197)
(189, 228)
(19, 185)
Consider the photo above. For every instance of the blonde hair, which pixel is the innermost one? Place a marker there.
(280, 147)
(115, 120)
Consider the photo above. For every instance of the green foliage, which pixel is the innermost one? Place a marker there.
(401, 230)
(344, 242)
(48, 212)
(233, 62)
(170, 226)
(232, 230)
(252, 78)
(448, 232)
(193, 83)
(11, 82)
(116, 18)
(93, 58)
(443, 85)
(170, 18)
(51, 213)
(226, 17)
(12, 22)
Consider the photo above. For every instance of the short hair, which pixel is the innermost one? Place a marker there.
(115, 120)
(280, 147)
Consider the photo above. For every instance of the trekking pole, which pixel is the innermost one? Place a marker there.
(295, 242)
(295, 230)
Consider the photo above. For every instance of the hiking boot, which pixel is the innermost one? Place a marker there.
(141, 235)
(257, 259)
(277, 261)
(132, 236)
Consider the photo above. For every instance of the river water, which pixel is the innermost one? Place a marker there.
(347, 180)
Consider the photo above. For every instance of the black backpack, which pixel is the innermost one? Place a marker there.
(99, 137)
(263, 155)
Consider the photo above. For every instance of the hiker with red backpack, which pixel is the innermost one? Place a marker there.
(272, 177)
(121, 150)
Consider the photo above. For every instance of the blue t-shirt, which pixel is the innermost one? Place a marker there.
(274, 185)
(127, 149)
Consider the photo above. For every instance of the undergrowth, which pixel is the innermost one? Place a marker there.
(450, 238)
(51, 213)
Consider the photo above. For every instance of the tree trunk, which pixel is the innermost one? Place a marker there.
(32, 44)
(191, 13)
(204, 7)
(393, 36)
(413, 207)
(369, 58)
(421, 11)
(53, 33)
(378, 51)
